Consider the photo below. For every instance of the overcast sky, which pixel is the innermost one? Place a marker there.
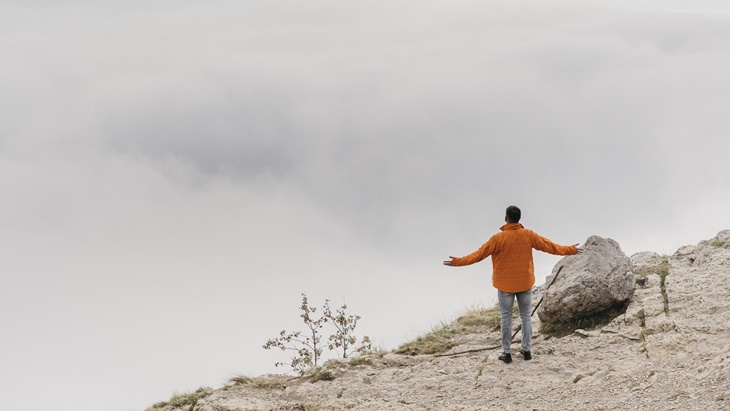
(176, 173)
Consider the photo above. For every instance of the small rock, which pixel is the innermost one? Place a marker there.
(584, 333)
(685, 251)
(645, 258)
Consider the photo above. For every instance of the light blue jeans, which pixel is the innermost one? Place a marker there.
(506, 302)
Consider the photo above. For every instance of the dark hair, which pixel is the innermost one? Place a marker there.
(513, 214)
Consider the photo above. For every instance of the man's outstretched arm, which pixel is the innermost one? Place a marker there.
(545, 245)
(483, 252)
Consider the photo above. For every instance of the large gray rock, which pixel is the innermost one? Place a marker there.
(599, 278)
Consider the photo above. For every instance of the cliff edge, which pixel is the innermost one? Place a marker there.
(668, 349)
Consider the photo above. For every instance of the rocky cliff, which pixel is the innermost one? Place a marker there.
(668, 349)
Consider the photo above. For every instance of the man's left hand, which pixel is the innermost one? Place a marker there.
(450, 263)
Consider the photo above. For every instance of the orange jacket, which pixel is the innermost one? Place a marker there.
(511, 251)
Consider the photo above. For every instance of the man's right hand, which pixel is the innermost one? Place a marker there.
(450, 263)
(577, 249)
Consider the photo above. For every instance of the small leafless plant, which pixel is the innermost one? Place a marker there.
(344, 338)
(307, 346)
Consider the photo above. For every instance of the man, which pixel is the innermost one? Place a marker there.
(513, 274)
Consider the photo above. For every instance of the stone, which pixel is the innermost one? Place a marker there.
(713, 253)
(589, 283)
(685, 250)
(644, 259)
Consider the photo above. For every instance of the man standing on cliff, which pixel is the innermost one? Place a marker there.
(513, 274)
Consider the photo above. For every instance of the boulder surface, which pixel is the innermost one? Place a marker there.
(591, 282)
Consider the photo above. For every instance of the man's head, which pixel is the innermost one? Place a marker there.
(513, 214)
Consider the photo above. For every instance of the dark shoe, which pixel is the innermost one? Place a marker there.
(506, 357)
(526, 355)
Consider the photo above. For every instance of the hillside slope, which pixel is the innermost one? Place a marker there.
(669, 350)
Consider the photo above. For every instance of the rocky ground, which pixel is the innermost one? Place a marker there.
(670, 350)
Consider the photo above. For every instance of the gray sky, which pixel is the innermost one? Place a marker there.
(176, 174)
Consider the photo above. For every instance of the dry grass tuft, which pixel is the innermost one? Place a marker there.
(361, 360)
(437, 341)
(181, 400)
(481, 318)
(445, 337)
(321, 375)
(269, 382)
